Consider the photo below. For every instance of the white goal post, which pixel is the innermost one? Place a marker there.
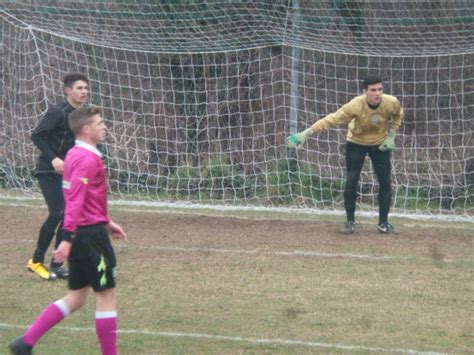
(201, 95)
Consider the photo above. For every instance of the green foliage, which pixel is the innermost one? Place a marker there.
(287, 182)
(428, 197)
(218, 178)
(293, 182)
(185, 180)
(127, 182)
(16, 177)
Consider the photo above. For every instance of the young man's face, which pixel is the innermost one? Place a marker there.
(96, 129)
(78, 93)
(374, 93)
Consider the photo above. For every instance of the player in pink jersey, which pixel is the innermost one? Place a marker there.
(86, 244)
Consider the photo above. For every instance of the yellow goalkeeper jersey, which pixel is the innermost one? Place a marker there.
(367, 126)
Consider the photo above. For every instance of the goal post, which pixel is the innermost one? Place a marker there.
(201, 95)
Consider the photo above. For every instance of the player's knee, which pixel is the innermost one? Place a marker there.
(385, 185)
(56, 216)
(385, 191)
(75, 301)
(106, 300)
(350, 187)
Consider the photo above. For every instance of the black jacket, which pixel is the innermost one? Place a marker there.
(53, 137)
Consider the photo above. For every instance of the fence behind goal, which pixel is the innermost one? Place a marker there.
(201, 95)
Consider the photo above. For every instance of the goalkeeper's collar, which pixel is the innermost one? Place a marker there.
(373, 107)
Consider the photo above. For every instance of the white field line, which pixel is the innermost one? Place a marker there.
(314, 254)
(257, 341)
(193, 207)
(195, 212)
(310, 211)
(281, 218)
(256, 252)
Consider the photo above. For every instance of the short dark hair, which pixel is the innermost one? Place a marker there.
(370, 80)
(70, 78)
(82, 117)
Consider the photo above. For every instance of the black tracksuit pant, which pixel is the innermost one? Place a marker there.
(51, 187)
(355, 156)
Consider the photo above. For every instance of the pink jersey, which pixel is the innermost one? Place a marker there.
(84, 187)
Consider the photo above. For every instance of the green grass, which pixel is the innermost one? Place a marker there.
(419, 297)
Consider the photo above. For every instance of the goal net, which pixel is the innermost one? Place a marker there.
(201, 95)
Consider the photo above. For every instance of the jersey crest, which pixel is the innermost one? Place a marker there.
(374, 120)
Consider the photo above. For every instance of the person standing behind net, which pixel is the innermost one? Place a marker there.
(54, 138)
(374, 119)
(86, 244)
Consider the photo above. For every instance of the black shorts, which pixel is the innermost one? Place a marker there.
(92, 259)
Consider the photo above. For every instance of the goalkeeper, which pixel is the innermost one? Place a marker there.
(373, 121)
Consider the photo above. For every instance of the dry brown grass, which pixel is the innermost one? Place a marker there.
(234, 277)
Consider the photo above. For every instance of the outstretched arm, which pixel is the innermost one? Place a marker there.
(341, 116)
(295, 140)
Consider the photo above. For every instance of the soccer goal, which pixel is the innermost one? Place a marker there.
(201, 95)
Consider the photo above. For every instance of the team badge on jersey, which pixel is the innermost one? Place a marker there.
(85, 181)
(374, 120)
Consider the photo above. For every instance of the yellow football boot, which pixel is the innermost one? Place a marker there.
(41, 270)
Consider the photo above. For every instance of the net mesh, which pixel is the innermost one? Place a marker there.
(201, 95)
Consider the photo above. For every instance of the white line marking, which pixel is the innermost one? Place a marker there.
(275, 341)
(315, 254)
(286, 253)
(294, 210)
(191, 209)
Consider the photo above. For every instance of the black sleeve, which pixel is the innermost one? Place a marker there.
(41, 134)
(68, 236)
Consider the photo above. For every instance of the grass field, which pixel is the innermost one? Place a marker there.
(257, 284)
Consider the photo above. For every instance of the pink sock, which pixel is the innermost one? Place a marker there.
(51, 315)
(106, 329)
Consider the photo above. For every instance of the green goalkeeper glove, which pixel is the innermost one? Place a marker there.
(389, 143)
(295, 140)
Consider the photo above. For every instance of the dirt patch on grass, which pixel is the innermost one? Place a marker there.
(285, 279)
